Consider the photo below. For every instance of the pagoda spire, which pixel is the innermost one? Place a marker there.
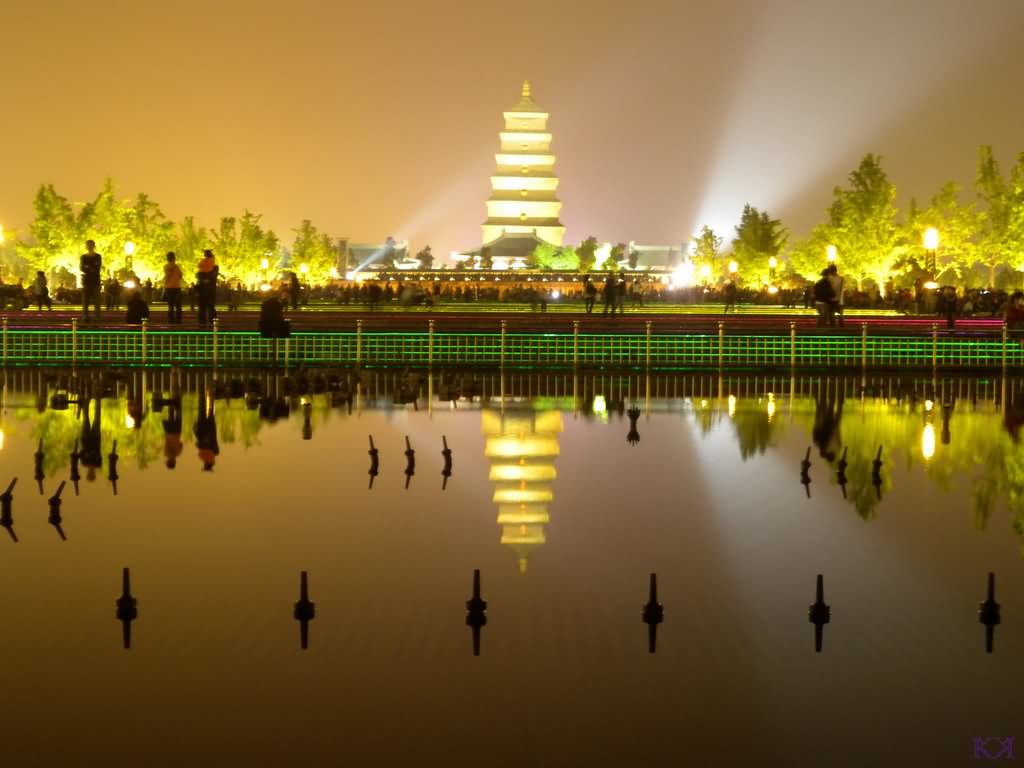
(523, 201)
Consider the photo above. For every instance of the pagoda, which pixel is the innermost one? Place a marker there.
(522, 450)
(522, 211)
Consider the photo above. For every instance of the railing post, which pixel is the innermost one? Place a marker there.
(647, 360)
(504, 330)
(74, 341)
(1004, 348)
(863, 347)
(935, 345)
(430, 344)
(792, 344)
(359, 341)
(5, 341)
(216, 331)
(287, 351)
(721, 341)
(575, 344)
(143, 329)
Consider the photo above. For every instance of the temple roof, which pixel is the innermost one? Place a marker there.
(526, 102)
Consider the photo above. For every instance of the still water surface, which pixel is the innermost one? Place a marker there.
(709, 497)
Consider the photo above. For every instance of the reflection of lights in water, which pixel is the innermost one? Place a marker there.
(600, 406)
(928, 441)
(928, 405)
(732, 405)
(771, 406)
(1, 439)
(129, 421)
(703, 404)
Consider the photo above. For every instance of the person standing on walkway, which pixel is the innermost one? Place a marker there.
(41, 291)
(729, 294)
(172, 289)
(823, 298)
(609, 294)
(621, 287)
(295, 288)
(206, 287)
(837, 283)
(90, 265)
(589, 294)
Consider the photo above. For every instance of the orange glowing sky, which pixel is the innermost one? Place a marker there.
(376, 119)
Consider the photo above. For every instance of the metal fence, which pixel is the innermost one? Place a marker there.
(553, 350)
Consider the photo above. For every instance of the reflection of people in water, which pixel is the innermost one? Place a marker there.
(828, 411)
(1013, 418)
(172, 434)
(91, 455)
(206, 432)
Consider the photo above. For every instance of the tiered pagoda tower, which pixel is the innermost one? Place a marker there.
(522, 209)
(522, 449)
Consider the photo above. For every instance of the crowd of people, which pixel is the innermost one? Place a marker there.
(612, 292)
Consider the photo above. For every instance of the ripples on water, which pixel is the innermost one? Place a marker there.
(566, 494)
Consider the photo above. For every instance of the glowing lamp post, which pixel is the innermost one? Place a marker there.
(264, 266)
(304, 269)
(772, 264)
(931, 245)
(129, 251)
(333, 273)
(705, 273)
(831, 253)
(733, 268)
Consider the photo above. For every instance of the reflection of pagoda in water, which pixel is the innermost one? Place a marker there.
(522, 449)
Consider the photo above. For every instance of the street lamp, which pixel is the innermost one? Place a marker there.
(931, 244)
(733, 267)
(830, 253)
(129, 250)
(304, 269)
(772, 264)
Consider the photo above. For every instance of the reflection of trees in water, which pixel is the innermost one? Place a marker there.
(59, 429)
(980, 459)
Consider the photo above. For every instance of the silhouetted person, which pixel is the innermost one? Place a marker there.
(91, 454)
(90, 265)
(295, 288)
(7, 510)
(609, 294)
(206, 287)
(589, 294)
(947, 305)
(138, 309)
(41, 292)
(172, 289)
(273, 324)
(446, 454)
(621, 288)
(729, 295)
(206, 432)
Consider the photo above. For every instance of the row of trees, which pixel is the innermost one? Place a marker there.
(980, 240)
(136, 232)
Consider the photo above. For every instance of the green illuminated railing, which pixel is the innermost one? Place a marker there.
(570, 349)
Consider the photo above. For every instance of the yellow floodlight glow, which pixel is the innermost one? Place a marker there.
(129, 421)
(931, 285)
(703, 404)
(304, 269)
(928, 441)
(931, 238)
(333, 273)
(1, 233)
(772, 262)
(682, 276)
(705, 271)
(528, 446)
(772, 290)
(600, 405)
(129, 284)
(831, 252)
(1, 439)
(929, 406)
(733, 267)
(265, 287)
(264, 263)
(771, 407)
(129, 248)
(732, 405)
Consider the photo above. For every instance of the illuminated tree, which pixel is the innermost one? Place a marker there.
(587, 254)
(957, 224)
(316, 250)
(758, 239)
(548, 256)
(707, 251)
(240, 245)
